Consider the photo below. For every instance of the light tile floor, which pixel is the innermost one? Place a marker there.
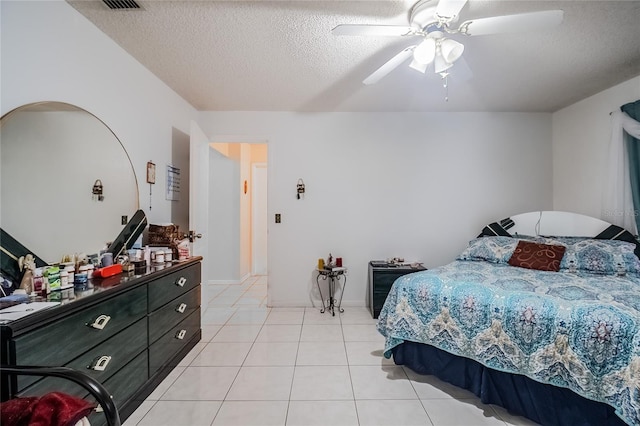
(295, 366)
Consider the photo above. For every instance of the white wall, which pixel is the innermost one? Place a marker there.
(381, 185)
(51, 52)
(581, 136)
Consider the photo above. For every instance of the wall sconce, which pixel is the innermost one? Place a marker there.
(97, 191)
(300, 188)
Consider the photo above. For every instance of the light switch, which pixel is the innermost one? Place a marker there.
(278, 218)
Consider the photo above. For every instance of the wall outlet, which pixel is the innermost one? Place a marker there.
(123, 220)
(278, 218)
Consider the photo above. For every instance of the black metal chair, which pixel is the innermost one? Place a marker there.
(89, 383)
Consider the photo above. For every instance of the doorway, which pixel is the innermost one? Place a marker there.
(237, 211)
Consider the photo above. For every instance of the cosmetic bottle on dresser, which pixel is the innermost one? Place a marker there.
(38, 281)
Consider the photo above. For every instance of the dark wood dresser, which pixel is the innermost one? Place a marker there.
(381, 278)
(126, 331)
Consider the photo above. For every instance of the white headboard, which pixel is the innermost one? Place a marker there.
(555, 223)
(559, 224)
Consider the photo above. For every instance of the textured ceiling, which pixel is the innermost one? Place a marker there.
(281, 55)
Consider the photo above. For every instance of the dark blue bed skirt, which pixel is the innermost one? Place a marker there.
(545, 404)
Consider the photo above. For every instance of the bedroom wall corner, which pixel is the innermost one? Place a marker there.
(581, 136)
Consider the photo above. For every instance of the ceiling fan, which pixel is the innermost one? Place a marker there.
(436, 23)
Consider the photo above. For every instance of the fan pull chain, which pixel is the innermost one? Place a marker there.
(446, 87)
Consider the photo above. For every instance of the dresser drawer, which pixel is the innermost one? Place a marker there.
(171, 342)
(163, 319)
(75, 334)
(100, 362)
(173, 285)
(124, 384)
(110, 356)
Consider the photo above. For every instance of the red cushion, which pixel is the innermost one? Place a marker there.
(543, 257)
(52, 409)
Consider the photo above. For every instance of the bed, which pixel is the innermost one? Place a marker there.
(535, 315)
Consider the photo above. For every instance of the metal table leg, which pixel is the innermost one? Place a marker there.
(344, 285)
(332, 290)
(324, 277)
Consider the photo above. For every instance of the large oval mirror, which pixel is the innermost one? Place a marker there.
(53, 157)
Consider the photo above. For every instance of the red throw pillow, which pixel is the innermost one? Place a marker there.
(543, 257)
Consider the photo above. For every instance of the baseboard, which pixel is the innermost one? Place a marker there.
(316, 304)
(223, 282)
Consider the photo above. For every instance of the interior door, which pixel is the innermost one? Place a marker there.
(259, 218)
(199, 195)
(180, 148)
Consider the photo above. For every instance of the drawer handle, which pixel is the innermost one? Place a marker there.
(181, 282)
(99, 408)
(181, 308)
(100, 363)
(180, 334)
(100, 322)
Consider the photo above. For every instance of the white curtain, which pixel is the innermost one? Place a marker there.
(618, 202)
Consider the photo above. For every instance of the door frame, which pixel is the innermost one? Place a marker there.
(233, 138)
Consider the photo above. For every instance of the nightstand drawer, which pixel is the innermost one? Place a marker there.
(384, 281)
(161, 320)
(79, 332)
(173, 285)
(165, 348)
(381, 280)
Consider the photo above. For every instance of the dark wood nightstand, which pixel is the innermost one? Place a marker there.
(381, 278)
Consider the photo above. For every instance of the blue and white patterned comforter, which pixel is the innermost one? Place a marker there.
(580, 332)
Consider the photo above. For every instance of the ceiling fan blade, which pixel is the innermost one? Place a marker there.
(512, 23)
(373, 30)
(389, 66)
(450, 8)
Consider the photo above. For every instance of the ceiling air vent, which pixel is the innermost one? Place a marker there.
(121, 4)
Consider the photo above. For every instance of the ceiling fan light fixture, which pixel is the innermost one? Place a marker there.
(433, 21)
(425, 52)
(451, 50)
(418, 66)
(441, 65)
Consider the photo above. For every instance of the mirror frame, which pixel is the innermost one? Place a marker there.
(57, 106)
